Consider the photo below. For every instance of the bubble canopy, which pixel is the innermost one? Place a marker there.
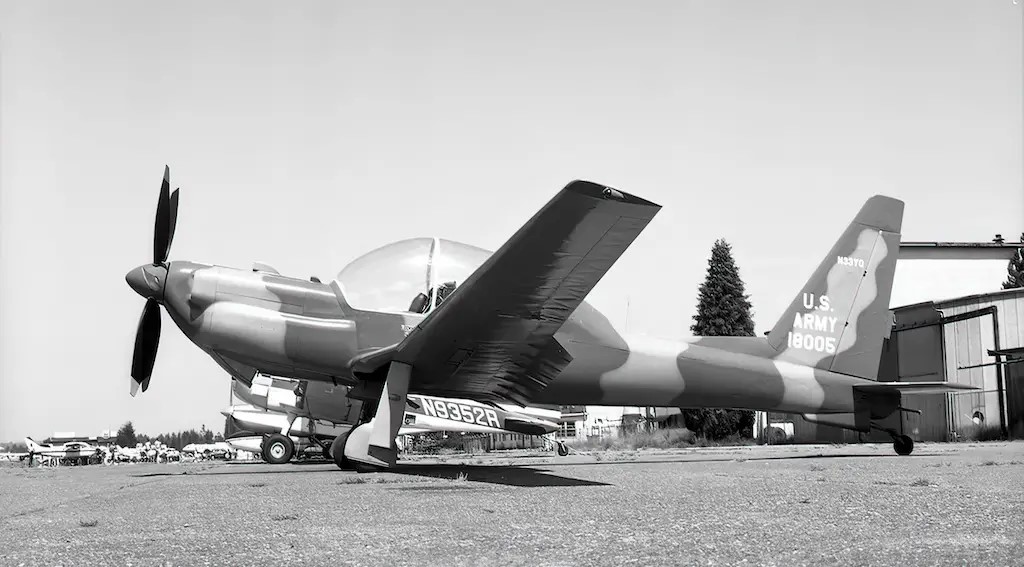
(409, 276)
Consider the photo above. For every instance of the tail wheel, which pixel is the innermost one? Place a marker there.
(278, 449)
(903, 445)
(563, 449)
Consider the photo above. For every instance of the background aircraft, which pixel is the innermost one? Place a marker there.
(78, 452)
(280, 409)
(516, 328)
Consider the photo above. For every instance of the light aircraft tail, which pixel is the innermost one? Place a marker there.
(33, 447)
(839, 318)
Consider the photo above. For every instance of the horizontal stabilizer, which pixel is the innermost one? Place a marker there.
(917, 387)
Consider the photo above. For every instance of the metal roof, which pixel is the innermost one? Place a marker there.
(958, 250)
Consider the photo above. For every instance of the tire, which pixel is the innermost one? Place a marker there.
(563, 450)
(903, 445)
(337, 452)
(278, 449)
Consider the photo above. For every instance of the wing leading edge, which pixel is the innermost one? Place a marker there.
(493, 338)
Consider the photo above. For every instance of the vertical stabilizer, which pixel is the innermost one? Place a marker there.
(839, 318)
(33, 447)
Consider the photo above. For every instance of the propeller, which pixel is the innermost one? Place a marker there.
(148, 281)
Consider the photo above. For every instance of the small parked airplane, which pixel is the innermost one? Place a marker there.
(78, 452)
(278, 410)
(513, 326)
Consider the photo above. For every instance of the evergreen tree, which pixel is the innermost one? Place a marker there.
(1015, 270)
(723, 309)
(126, 435)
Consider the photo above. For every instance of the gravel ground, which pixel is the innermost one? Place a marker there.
(947, 504)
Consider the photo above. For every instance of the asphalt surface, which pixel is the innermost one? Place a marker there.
(947, 504)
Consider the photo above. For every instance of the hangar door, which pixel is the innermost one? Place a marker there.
(920, 359)
(1013, 380)
(968, 339)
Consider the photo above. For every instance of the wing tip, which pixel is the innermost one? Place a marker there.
(599, 191)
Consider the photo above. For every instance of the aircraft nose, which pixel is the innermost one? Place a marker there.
(147, 280)
(228, 411)
(137, 280)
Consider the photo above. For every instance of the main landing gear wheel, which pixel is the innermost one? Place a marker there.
(904, 445)
(344, 463)
(337, 452)
(278, 449)
(563, 450)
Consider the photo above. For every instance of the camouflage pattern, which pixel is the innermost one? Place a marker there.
(821, 351)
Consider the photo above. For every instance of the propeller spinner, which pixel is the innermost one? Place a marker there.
(148, 281)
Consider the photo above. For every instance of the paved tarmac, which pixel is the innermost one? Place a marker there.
(947, 504)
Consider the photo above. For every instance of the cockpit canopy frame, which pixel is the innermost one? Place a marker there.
(409, 276)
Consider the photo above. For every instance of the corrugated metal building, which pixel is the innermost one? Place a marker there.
(976, 340)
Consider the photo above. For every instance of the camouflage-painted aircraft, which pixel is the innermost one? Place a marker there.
(516, 328)
(278, 409)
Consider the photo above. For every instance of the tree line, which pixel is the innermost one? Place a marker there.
(128, 437)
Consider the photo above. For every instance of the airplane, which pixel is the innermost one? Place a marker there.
(215, 450)
(78, 452)
(513, 326)
(280, 409)
(12, 456)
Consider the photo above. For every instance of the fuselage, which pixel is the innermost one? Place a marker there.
(253, 320)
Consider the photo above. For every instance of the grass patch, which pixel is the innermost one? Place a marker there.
(88, 523)
(659, 439)
(981, 433)
(921, 482)
(284, 517)
(379, 480)
(461, 477)
(258, 484)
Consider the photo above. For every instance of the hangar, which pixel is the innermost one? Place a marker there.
(976, 340)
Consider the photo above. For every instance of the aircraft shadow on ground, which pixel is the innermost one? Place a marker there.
(737, 458)
(525, 476)
(493, 474)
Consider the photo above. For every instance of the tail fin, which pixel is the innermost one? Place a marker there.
(33, 447)
(837, 322)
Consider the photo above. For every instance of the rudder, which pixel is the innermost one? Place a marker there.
(838, 320)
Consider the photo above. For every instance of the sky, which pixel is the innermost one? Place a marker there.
(305, 134)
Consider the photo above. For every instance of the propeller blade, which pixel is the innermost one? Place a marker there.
(162, 229)
(174, 222)
(147, 339)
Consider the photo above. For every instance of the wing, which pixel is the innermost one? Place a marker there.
(493, 337)
(917, 387)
